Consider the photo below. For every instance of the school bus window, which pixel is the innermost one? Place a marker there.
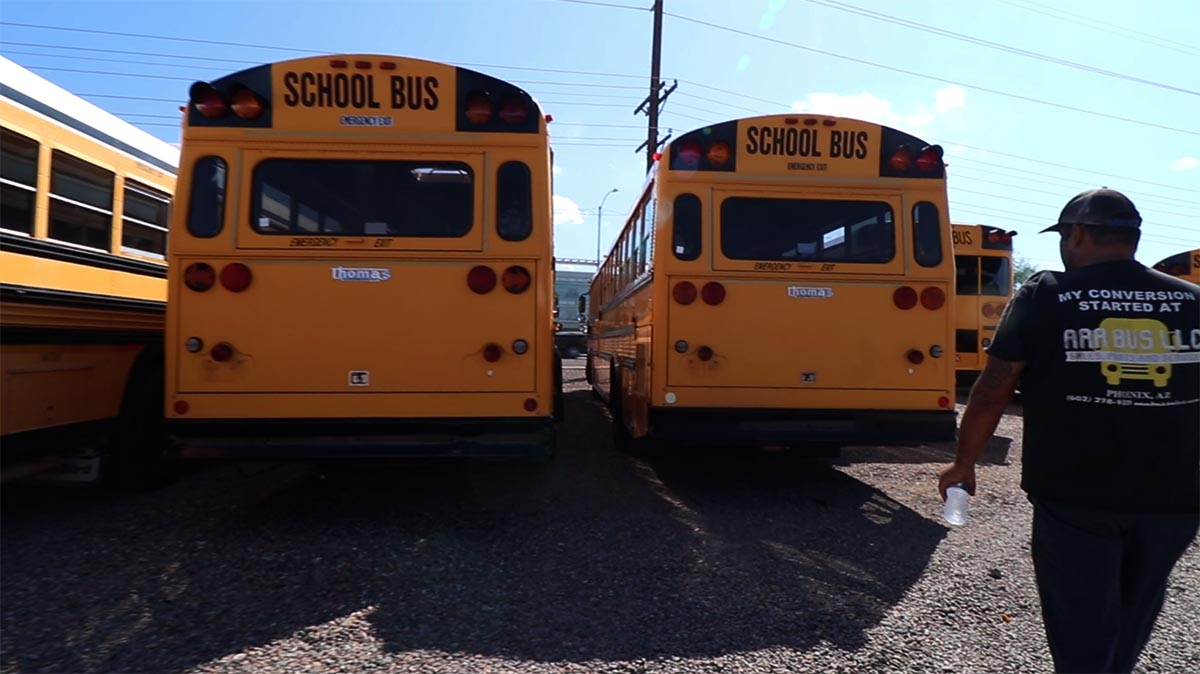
(363, 198)
(81, 199)
(514, 199)
(820, 230)
(144, 220)
(206, 203)
(685, 237)
(927, 235)
(966, 274)
(18, 181)
(996, 276)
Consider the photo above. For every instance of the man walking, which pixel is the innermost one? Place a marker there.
(1107, 355)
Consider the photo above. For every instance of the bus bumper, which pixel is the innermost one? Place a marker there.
(739, 426)
(263, 440)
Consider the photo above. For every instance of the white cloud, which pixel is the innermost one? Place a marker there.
(871, 108)
(1185, 164)
(949, 98)
(557, 169)
(566, 212)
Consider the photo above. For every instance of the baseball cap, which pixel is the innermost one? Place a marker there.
(1101, 206)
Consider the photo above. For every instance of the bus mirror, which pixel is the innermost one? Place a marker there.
(582, 304)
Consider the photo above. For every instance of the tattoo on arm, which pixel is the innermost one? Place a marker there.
(998, 380)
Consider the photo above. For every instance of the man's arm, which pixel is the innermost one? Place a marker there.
(990, 396)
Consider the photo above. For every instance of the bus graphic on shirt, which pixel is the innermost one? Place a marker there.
(1134, 337)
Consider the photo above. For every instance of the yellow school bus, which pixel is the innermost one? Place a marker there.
(982, 287)
(1185, 265)
(84, 203)
(782, 280)
(361, 265)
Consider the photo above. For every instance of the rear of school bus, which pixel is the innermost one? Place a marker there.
(361, 265)
(982, 287)
(805, 276)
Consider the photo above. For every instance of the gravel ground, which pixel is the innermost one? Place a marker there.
(598, 563)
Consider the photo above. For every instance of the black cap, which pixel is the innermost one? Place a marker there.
(1105, 207)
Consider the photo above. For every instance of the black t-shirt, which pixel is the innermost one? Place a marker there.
(1111, 387)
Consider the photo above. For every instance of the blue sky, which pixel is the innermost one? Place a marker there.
(948, 72)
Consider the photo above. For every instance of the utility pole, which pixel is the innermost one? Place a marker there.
(654, 101)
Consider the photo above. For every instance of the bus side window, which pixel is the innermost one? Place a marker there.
(927, 235)
(206, 203)
(514, 217)
(685, 238)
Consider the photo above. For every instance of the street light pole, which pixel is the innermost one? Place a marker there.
(599, 215)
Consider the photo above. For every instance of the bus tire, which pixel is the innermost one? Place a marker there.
(139, 456)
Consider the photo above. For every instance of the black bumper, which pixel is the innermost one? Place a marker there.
(783, 427)
(362, 438)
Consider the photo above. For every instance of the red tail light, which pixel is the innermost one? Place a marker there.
(901, 159)
(989, 310)
(712, 293)
(684, 292)
(515, 280)
(338, 63)
(478, 108)
(933, 298)
(236, 277)
(491, 353)
(915, 356)
(362, 65)
(181, 407)
(704, 353)
(689, 153)
(513, 110)
(210, 104)
(222, 352)
(530, 405)
(246, 104)
(199, 276)
(481, 279)
(930, 158)
(718, 153)
(905, 297)
(944, 402)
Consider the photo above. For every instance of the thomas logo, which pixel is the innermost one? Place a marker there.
(367, 274)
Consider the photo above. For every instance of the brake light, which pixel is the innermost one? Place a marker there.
(684, 292)
(530, 404)
(718, 153)
(712, 293)
(989, 310)
(481, 279)
(944, 402)
(515, 279)
(915, 356)
(689, 154)
(513, 110)
(930, 158)
(222, 352)
(199, 276)
(905, 297)
(901, 159)
(491, 353)
(933, 298)
(181, 407)
(208, 102)
(704, 353)
(246, 104)
(236, 277)
(478, 108)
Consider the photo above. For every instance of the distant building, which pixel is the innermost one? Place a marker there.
(568, 286)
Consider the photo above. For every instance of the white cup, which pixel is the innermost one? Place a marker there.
(955, 511)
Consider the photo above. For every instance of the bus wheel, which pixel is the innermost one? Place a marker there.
(139, 455)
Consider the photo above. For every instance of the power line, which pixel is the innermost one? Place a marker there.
(879, 16)
(1072, 182)
(1075, 19)
(158, 37)
(914, 73)
(605, 4)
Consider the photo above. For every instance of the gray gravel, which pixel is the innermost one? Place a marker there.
(599, 563)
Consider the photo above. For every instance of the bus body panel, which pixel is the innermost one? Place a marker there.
(396, 333)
